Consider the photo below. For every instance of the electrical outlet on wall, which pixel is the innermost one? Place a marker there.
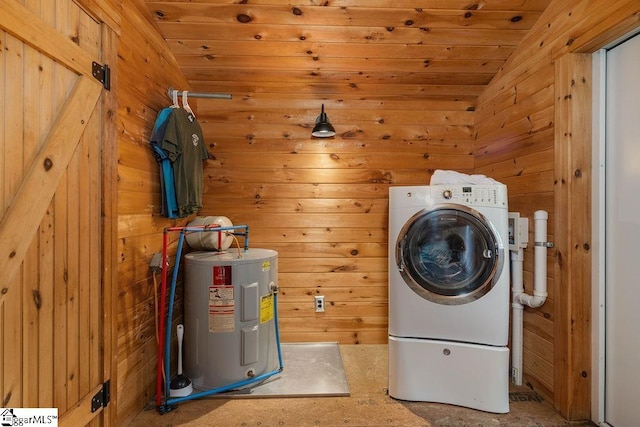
(319, 300)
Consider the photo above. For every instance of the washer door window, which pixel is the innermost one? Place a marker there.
(449, 254)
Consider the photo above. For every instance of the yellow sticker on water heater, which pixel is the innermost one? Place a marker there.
(266, 265)
(266, 308)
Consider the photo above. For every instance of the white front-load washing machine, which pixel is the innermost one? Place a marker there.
(449, 295)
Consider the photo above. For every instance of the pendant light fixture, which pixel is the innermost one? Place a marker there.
(323, 129)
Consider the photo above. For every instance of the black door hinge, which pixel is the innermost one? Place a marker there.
(102, 73)
(102, 397)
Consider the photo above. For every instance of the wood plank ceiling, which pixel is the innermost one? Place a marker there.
(440, 49)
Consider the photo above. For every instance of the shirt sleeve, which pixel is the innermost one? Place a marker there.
(171, 141)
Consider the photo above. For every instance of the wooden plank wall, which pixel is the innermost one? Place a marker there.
(517, 142)
(326, 198)
(323, 203)
(145, 71)
(572, 361)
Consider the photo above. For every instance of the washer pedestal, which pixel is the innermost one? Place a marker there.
(470, 375)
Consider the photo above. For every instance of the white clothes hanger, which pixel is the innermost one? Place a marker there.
(175, 99)
(185, 103)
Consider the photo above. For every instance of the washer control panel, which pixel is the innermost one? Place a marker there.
(472, 195)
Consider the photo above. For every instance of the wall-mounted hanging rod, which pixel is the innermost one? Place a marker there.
(199, 94)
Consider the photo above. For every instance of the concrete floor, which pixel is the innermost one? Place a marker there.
(367, 405)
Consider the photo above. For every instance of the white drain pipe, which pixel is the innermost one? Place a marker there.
(520, 298)
(517, 288)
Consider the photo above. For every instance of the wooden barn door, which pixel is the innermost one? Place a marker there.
(52, 293)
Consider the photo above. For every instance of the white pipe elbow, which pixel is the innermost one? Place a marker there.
(537, 302)
(522, 299)
(533, 301)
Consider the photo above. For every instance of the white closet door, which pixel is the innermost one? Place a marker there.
(622, 289)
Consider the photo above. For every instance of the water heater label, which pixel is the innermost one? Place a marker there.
(222, 275)
(222, 310)
(266, 308)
